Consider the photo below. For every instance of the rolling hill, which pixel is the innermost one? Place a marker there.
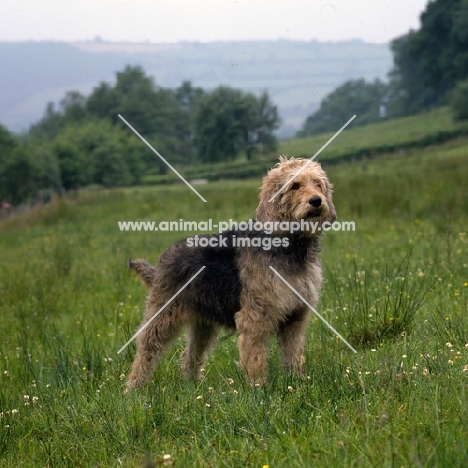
(296, 74)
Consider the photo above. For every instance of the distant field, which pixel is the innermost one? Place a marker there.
(68, 303)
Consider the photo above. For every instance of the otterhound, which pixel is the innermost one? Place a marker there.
(237, 289)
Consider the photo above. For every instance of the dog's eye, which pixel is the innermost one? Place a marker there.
(295, 186)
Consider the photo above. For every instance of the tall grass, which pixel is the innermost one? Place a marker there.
(379, 305)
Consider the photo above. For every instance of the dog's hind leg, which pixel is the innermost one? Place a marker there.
(152, 342)
(201, 336)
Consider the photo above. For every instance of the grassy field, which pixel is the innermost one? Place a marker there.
(420, 130)
(397, 288)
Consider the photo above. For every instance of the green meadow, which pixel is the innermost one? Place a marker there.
(396, 288)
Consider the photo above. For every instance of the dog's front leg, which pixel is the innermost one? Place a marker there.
(291, 340)
(253, 352)
(254, 331)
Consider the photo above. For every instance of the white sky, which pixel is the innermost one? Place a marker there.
(207, 20)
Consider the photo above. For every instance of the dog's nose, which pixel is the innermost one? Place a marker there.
(315, 201)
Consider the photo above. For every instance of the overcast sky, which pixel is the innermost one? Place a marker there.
(207, 20)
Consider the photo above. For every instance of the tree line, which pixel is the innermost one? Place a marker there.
(430, 69)
(82, 141)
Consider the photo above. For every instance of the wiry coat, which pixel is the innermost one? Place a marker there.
(237, 289)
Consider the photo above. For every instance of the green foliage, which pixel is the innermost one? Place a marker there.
(262, 121)
(25, 169)
(74, 164)
(408, 91)
(7, 141)
(161, 116)
(87, 135)
(459, 101)
(8, 145)
(50, 125)
(47, 168)
(216, 124)
(430, 61)
(228, 121)
(187, 98)
(72, 109)
(353, 97)
(19, 176)
(97, 152)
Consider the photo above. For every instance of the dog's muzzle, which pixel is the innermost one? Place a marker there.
(315, 207)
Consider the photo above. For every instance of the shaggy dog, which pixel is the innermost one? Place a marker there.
(237, 289)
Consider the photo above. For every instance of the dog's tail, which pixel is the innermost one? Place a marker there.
(145, 271)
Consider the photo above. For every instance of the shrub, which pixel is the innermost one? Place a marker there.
(459, 101)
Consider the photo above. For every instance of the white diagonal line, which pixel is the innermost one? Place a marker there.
(313, 157)
(162, 159)
(161, 309)
(313, 310)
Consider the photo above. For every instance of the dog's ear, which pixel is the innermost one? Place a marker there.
(332, 212)
(267, 210)
(331, 206)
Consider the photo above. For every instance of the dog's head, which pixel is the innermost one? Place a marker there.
(300, 190)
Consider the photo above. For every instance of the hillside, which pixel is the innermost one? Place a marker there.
(296, 74)
(397, 135)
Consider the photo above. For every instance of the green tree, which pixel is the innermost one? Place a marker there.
(429, 62)
(46, 164)
(102, 102)
(353, 97)
(97, 152)
(50, 124)
(8, 146)
(19, 180)
(14, 169)
(262, 121)
(25, 168)
(187, 98)
(408, 92)
(73, 162)
(151, 110)
(228, 121)
(26, 171)
(72, 108)
(7, 143)
(459, 101)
